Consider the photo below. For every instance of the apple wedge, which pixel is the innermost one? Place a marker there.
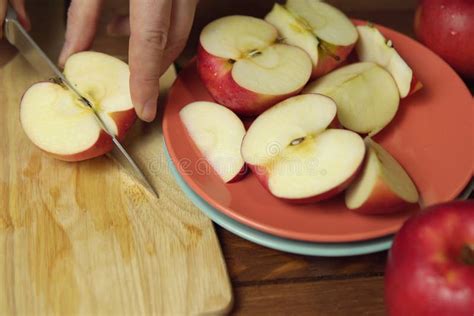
(383, 186)
(323, 31)
(366, 96)
(217, 133)
(56, 121)
(244, 67)
(294, 155)
(372, 46)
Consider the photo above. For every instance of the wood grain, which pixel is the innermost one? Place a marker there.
(85, 238)
(359, 296)
(249, 264)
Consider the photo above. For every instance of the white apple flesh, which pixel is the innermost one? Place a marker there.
(372, 46)
(323, 31)
(56, 121)
(217, 133)
(383, 186)
(366, 95)
(295, 157)
(244, 67)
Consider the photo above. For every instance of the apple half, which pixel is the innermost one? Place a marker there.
(372, 46)
(245, 68)
(294, 155)
(383, 186)
(366, 96)
(57, 121)
(323, 31)
(217, 133)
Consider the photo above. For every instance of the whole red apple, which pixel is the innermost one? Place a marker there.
(430, 268)
(447, 27)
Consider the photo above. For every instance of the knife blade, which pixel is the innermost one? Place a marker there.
(17, 36)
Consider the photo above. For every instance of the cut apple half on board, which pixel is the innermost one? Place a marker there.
(244, 67)
(366, 96)
(217, 133)
(323, 31)
(295, 156)
(58, 122)
(383, 186)
(372, 46)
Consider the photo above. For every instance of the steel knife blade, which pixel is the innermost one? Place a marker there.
(17, 36)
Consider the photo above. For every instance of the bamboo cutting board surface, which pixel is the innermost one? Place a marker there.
(86, 239)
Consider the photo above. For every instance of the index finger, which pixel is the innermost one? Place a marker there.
(149, 25)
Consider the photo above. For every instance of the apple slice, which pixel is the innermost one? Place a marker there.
(366, 96)
(245, 68)
(295, 157)
(373, 47)
(55, 119)
(323, 31)
(217, 132)
(383, 186)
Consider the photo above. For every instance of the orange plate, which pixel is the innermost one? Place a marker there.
(432, 136)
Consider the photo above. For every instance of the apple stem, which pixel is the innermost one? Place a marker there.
(467, 254)
(297, 141)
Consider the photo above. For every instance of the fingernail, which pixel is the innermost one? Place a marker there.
(149, 110)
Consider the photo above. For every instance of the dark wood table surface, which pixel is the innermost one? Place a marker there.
(270, 282)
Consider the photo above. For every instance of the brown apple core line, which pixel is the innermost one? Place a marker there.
(467, 254)
(82, 102)
(252, 53)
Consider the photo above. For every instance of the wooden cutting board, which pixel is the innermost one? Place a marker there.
(85, 238)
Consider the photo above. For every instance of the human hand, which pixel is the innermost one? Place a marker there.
(158, 32)
(19, 7)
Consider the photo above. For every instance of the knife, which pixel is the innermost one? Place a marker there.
(17, 36)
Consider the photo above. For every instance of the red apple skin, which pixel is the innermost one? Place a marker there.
(415, 85)
(381, 200)
(326, 63)
(447, 28)
(124, 121)
(427, 272)
(103, 145)
(240, 175)
(216, 74)
(262, 175)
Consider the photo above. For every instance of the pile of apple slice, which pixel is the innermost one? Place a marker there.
(308, 147)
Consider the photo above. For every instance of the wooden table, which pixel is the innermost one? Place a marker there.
(270, 282)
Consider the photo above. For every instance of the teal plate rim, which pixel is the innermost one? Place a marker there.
(275, 242)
